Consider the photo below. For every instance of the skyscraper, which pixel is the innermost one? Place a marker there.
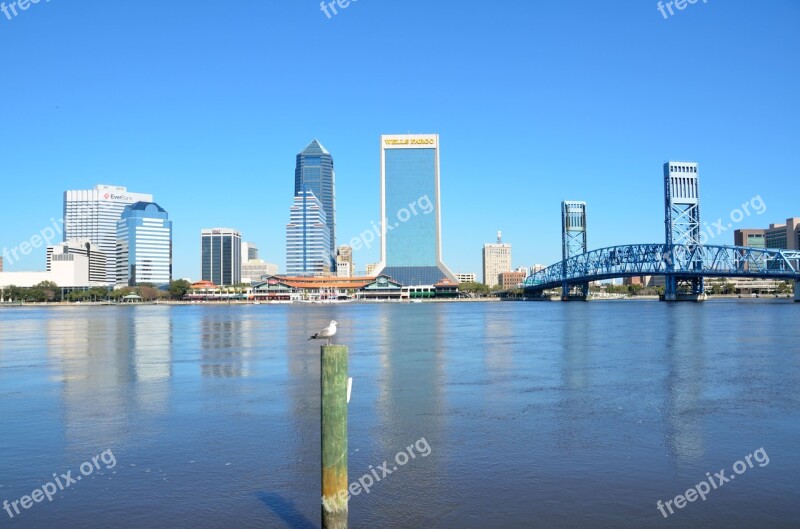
(496, 260)
(144, 246)
(93, 214)
(221, 253)
(314, 172)
(307, 237)
(411, 245)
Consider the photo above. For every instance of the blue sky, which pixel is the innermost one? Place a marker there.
(205, 105)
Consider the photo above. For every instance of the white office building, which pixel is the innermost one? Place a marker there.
(77, 264)
(97, 260)
(467, 278)
(496, 260)
(92, 215)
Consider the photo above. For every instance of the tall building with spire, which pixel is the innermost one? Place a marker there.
(314, 172)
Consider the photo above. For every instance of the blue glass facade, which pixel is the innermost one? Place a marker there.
(411, 211)
(307, 242)
(314, 172)
(144, 246)
(410, 176)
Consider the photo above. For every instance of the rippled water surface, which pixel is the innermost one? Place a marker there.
(551, 415)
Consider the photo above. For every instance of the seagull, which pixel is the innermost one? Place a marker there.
(326, 333)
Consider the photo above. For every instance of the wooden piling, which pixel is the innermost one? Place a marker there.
(333, 375)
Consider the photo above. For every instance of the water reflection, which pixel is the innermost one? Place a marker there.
(224, 345)
(686, 347)
(107, 361)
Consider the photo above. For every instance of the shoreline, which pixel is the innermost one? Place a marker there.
(788, 297)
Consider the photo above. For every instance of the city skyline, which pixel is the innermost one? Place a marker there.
(602, 143)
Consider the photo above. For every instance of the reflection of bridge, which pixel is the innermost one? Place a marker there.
(684, 260)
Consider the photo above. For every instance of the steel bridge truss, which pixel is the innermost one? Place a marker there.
(683, 263)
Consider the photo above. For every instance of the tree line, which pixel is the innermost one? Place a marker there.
(47, 291)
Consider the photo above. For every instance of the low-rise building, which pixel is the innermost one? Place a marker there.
(74, 264)
(511, 279)
(254, 269)
(467, 278)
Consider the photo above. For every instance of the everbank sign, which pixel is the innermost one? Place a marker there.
(111, 196)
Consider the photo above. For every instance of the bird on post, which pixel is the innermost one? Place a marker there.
(327, 333)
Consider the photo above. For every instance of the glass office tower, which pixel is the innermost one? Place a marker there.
(411, 248)
(144, 246)
(314, 172)
(221, 250)
(307, 237)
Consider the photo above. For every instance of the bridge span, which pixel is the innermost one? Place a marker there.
(683, 263)
(684, 260)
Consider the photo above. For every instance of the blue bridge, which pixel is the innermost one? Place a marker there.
(684, 260)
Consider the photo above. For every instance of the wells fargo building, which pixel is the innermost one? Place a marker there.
(411, 245)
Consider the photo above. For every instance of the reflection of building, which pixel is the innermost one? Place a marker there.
(411, 244)
(307, 237)
(144, 246)
(107, 364)
(222, 256)
(224, 351)
(496, 260)
(93, 214)
(314, 172)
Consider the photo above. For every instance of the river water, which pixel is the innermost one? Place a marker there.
(551, 415)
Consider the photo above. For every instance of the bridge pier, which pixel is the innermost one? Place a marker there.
(692, 289)
(797, 291)
(576, 292)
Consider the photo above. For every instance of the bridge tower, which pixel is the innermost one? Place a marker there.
(573, 242)
(682, 226)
